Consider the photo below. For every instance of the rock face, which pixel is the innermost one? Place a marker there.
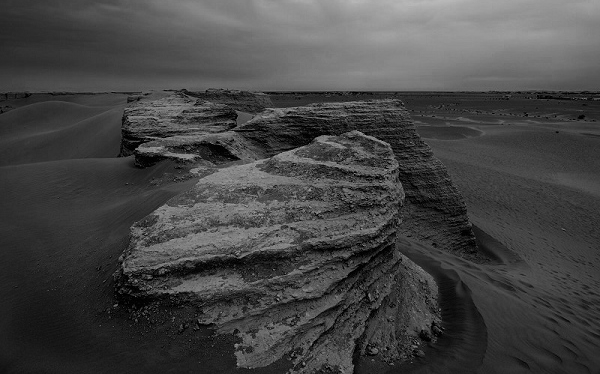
(206, 150)
(244, 101)
(434, 211)
(295, 254)
(178, 114)
(14, 95)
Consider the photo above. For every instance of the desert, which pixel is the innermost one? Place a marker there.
(478, 216)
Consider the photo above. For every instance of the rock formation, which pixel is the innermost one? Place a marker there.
(178, 114)
(208, 150)
(295, 254)
(13, 95)
(244, 101)
(434, 211)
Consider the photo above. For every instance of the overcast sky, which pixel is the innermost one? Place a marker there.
(300, 44)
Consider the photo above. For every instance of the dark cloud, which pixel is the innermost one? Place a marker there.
(299, 44)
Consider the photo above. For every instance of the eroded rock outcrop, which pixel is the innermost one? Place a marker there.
(14, 95)
(434, 211)
(177, 114)
(295, 254)
(207, 150)
(243, 101)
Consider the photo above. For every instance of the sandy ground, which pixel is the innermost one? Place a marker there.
(531, 183)
(534, 185)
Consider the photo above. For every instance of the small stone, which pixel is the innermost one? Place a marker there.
(372, 350)
(419, 353)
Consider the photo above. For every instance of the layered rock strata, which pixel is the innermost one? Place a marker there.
(206, 150)
(177, 114)
(295, 254)
(243, 101)
(434, 212)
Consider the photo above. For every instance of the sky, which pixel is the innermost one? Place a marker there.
(399, 45)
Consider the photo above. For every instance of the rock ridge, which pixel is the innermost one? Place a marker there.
(434, 210)
(177, 114)
(243, 101)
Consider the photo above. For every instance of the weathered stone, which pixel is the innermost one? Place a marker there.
(208, 150)
(14, 95)
(434, 212)
(177, 114)
(244, 101)
(295, 254)
(134, 98)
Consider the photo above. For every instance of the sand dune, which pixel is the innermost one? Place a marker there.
(58, 130)
(92, 99)
(63, 226)
(44, 117)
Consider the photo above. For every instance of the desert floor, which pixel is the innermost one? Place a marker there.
(529, 170)
(530, 175)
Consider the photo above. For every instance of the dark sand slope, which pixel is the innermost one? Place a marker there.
(63, 226)
(463, 346)
(59, 130)
(537, 192)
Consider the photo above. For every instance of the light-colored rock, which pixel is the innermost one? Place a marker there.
(207, 150)
(295, 254)
(177, 114)
(434, 211)
(243, 101)
(13, 95)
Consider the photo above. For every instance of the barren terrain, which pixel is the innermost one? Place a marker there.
(528, 168)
